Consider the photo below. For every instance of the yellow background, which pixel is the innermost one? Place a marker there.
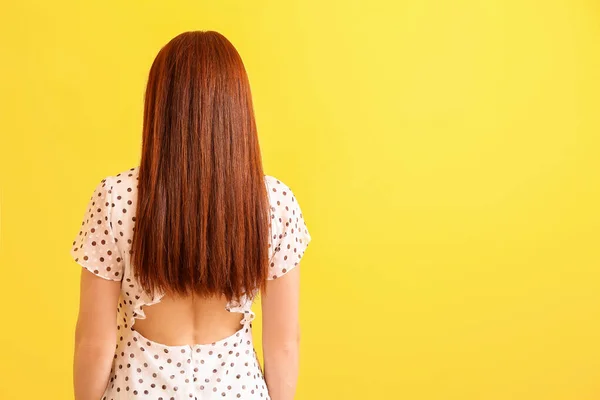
(445, 154)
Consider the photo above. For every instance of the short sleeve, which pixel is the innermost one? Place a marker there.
(289, 234)
(95, 248)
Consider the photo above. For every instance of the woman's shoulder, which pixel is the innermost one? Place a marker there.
(122, 183)
(276, 185)
(288, 228)
(126, 178)
(281, 195)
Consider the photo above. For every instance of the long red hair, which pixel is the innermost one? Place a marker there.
(202, 215)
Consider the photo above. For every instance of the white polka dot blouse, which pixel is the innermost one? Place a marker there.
(224, 369)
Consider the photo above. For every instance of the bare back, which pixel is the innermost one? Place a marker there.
(188, 320)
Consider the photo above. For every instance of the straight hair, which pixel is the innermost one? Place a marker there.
(202, 215)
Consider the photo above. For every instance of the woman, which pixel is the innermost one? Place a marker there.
(175, 250)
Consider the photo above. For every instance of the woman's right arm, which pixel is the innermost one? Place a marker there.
(281, 334)
(95, 335)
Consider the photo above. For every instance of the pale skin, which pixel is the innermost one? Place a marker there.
(189, 320)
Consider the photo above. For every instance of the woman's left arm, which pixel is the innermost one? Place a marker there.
(95, 335)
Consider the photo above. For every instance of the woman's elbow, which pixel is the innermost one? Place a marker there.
(95, 341)
(284, 345)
